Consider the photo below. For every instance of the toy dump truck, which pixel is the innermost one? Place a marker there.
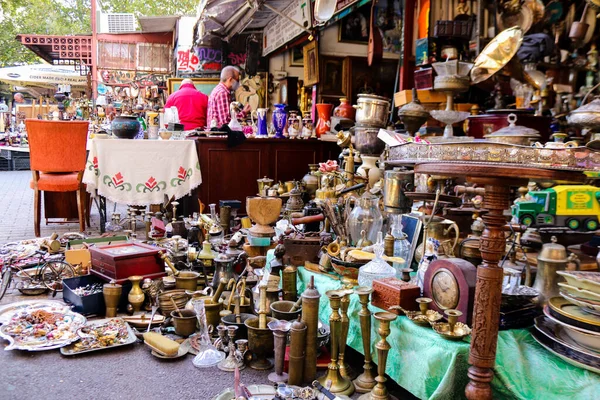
(576, 207)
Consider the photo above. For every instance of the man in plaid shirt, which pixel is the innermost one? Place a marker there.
(220, 98)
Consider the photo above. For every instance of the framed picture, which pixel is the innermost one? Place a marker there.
(355, 28)
(205, 85)
(253, 91)
(311, 63)
(335, 76)
(411, 226)
(296, 57)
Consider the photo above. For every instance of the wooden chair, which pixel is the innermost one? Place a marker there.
(57, 159)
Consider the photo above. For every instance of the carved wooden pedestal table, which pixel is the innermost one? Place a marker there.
(497, 180)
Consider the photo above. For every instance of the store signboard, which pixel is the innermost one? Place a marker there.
(281, 30)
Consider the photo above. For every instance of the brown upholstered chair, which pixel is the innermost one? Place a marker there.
(57, 160)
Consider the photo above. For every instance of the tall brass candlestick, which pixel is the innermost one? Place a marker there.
(310, 316)
(345, 369)
(380, 392)
(339, 384)
(366, 381)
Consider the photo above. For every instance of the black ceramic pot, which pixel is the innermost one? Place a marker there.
(125, 126)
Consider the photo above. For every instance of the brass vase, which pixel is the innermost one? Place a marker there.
(112, 295)
(380, 392)
(339, 384)
(345, 369)
(136, 295)
(365, 381)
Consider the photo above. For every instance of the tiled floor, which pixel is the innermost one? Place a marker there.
(16, 210)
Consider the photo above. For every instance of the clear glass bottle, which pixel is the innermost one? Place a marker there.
(364, 216)
(401, 245)
(377, 268)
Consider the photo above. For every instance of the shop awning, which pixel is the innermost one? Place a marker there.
(42, 75)
(60, 49)
(226, 18)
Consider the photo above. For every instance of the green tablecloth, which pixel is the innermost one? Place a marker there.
(431, 367)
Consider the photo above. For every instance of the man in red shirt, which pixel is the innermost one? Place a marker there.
(191, 105)
(220, 98)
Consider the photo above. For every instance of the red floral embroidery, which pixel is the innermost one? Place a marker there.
(151, 183)
(117, 179)
(95, 162)
(181, 173)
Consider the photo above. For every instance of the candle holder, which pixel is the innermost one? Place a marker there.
(345, 370)
(424, 304)
(339, 384)
(380, 392)
(365, 381)
(280, 330)
(233, 361)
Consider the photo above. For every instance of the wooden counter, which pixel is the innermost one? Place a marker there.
(231, 173)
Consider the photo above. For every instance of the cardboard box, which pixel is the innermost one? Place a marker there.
(425, 96)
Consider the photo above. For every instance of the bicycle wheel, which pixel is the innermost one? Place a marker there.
(5, 281)
(54, 272)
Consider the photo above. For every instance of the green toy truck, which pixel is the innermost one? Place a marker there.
(576, 207)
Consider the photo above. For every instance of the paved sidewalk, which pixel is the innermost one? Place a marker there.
(16, 210)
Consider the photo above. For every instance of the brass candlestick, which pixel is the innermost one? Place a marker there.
(339, 384)
(366, 381)
(280, 331)
(233, 360)
(345, 369)
(380, 392)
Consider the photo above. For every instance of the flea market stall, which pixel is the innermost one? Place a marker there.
(389, 199)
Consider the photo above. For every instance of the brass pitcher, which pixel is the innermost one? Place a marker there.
(440, 229)
(552, 258)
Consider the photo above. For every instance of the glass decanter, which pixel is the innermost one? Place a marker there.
(401, 245)
(376, 268)
(208, 355)
(364, 216)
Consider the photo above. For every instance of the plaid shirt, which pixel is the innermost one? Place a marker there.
(218, 106)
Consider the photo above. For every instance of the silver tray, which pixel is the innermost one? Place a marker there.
(70, 349)
(483, 151)
(7, 311)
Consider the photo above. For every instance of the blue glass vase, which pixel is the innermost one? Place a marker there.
(279, 120)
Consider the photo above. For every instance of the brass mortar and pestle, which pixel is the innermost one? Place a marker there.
(187, 280)
(260, 337)
(212, 304)
(237, 319)
(286, 310)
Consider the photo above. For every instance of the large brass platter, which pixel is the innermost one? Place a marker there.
(497, 54)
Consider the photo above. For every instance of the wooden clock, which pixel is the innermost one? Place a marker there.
(288, 92)
(450, 283)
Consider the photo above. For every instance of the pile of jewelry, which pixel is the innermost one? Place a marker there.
(88, 290)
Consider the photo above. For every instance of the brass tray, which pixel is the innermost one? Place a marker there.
(71, 351)
(483, 151)
(565, 308)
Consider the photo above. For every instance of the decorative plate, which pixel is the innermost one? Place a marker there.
(103, 334)
(586, 280)
(259, 392)
(565, 308)
(41, 329)
(184, 348)
(570, 323)
(579, 293)
(558, 332)
(8, 310)
(585, 306)
(570, 356)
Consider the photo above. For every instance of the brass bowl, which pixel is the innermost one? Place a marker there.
(281, 310)
(261, 343)
(185, 324)
(242, 332)
(165, 304)
(443, 329)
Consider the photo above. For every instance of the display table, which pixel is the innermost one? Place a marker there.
(231, 172)
(431, 367)
(142, 172)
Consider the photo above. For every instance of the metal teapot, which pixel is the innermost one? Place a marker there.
(440, 229)
(552, 258)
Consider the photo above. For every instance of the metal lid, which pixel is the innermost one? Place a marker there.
(372, 98)
(298, 325)
(553, 252)
(414, 107)
(222, 257)
(593, 106)
(514, 130)
(311, 291)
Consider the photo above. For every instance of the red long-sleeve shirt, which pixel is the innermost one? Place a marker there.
(191, 106)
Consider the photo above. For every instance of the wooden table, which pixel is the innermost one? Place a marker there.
(231, 173)
(497, 180)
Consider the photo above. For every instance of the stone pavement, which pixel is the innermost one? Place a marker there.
(16, 210)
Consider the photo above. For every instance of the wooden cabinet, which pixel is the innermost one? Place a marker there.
(231, 173)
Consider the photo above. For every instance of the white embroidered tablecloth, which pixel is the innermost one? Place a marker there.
(141, 172)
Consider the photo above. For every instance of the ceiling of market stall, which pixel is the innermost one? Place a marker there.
(225, 18)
